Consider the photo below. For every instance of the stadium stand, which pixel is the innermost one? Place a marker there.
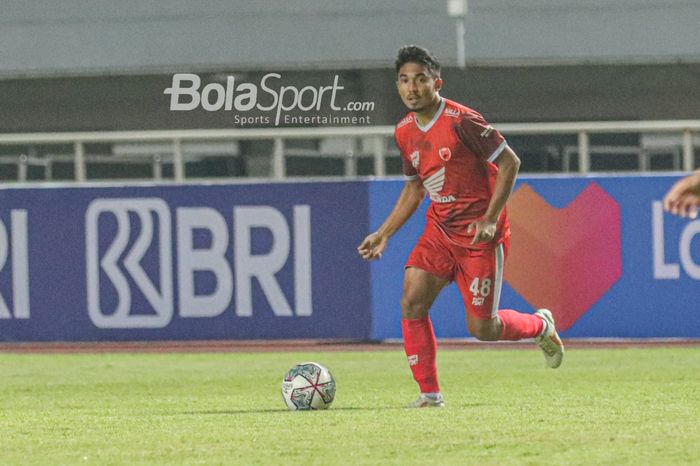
(86, 69)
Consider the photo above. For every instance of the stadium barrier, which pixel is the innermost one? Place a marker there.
(176, 148)
(279, 261)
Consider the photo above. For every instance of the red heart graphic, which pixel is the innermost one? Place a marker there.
(564, 259)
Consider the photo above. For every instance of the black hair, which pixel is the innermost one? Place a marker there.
(420, 55)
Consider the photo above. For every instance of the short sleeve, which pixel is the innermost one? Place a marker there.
(407, 168)
(480, 137)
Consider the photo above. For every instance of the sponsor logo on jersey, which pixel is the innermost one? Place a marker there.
(434, 184)
(442, 199)
(445, 153)
(405, 121)
(452, 112)
(415, 159)
(412, 359)
(487, 131)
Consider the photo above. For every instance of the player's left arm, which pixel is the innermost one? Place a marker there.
(683, 198)
(508, 165)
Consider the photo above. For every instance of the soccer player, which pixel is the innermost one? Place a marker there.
(467, 169)
(683, 198)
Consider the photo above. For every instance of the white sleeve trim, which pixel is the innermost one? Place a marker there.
(498, 151)
(410, 177)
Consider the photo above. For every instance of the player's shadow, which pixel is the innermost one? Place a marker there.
(223, 412)
(282, 410)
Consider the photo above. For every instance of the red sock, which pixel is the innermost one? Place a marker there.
(421, 347)
(518, 325)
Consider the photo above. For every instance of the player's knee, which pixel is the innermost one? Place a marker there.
(413, 308)
(485, 331)
(487, 335)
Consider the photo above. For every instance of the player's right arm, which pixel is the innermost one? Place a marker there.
(410, 198)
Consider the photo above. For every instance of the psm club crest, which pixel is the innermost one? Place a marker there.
(445, 153)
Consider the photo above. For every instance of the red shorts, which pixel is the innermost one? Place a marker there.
(478, 273)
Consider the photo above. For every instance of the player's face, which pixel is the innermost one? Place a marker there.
(418, 88)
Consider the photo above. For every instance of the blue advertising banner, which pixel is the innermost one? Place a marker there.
(599, 251)
(279, 261)
(184, 262)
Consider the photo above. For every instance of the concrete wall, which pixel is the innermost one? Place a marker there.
(79, 36)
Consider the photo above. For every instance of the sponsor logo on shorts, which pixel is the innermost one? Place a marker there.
(477, 301)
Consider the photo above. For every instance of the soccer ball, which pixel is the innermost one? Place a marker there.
(307, 386)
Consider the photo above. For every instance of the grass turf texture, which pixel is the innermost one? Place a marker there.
(622, 406)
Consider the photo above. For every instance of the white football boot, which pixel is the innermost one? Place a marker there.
(428, 401)
(549, 340)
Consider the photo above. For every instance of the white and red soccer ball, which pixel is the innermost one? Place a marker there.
(308, 386)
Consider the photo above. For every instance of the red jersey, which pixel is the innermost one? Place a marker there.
(453, 156)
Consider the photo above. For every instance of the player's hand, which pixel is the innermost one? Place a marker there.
(483, 230)
(372, 246)
(683, 199)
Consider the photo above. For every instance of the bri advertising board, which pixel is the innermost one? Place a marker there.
(183, 262)
(279, 261)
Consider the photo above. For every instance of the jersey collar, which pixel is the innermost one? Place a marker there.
(430, 124)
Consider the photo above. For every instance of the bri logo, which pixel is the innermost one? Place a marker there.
(106, 265)
(130, 261)
(14, 256)
(543, 268)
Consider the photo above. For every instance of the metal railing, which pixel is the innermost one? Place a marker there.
(688, 130)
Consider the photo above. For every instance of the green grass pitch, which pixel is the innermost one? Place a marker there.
(620, 406)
